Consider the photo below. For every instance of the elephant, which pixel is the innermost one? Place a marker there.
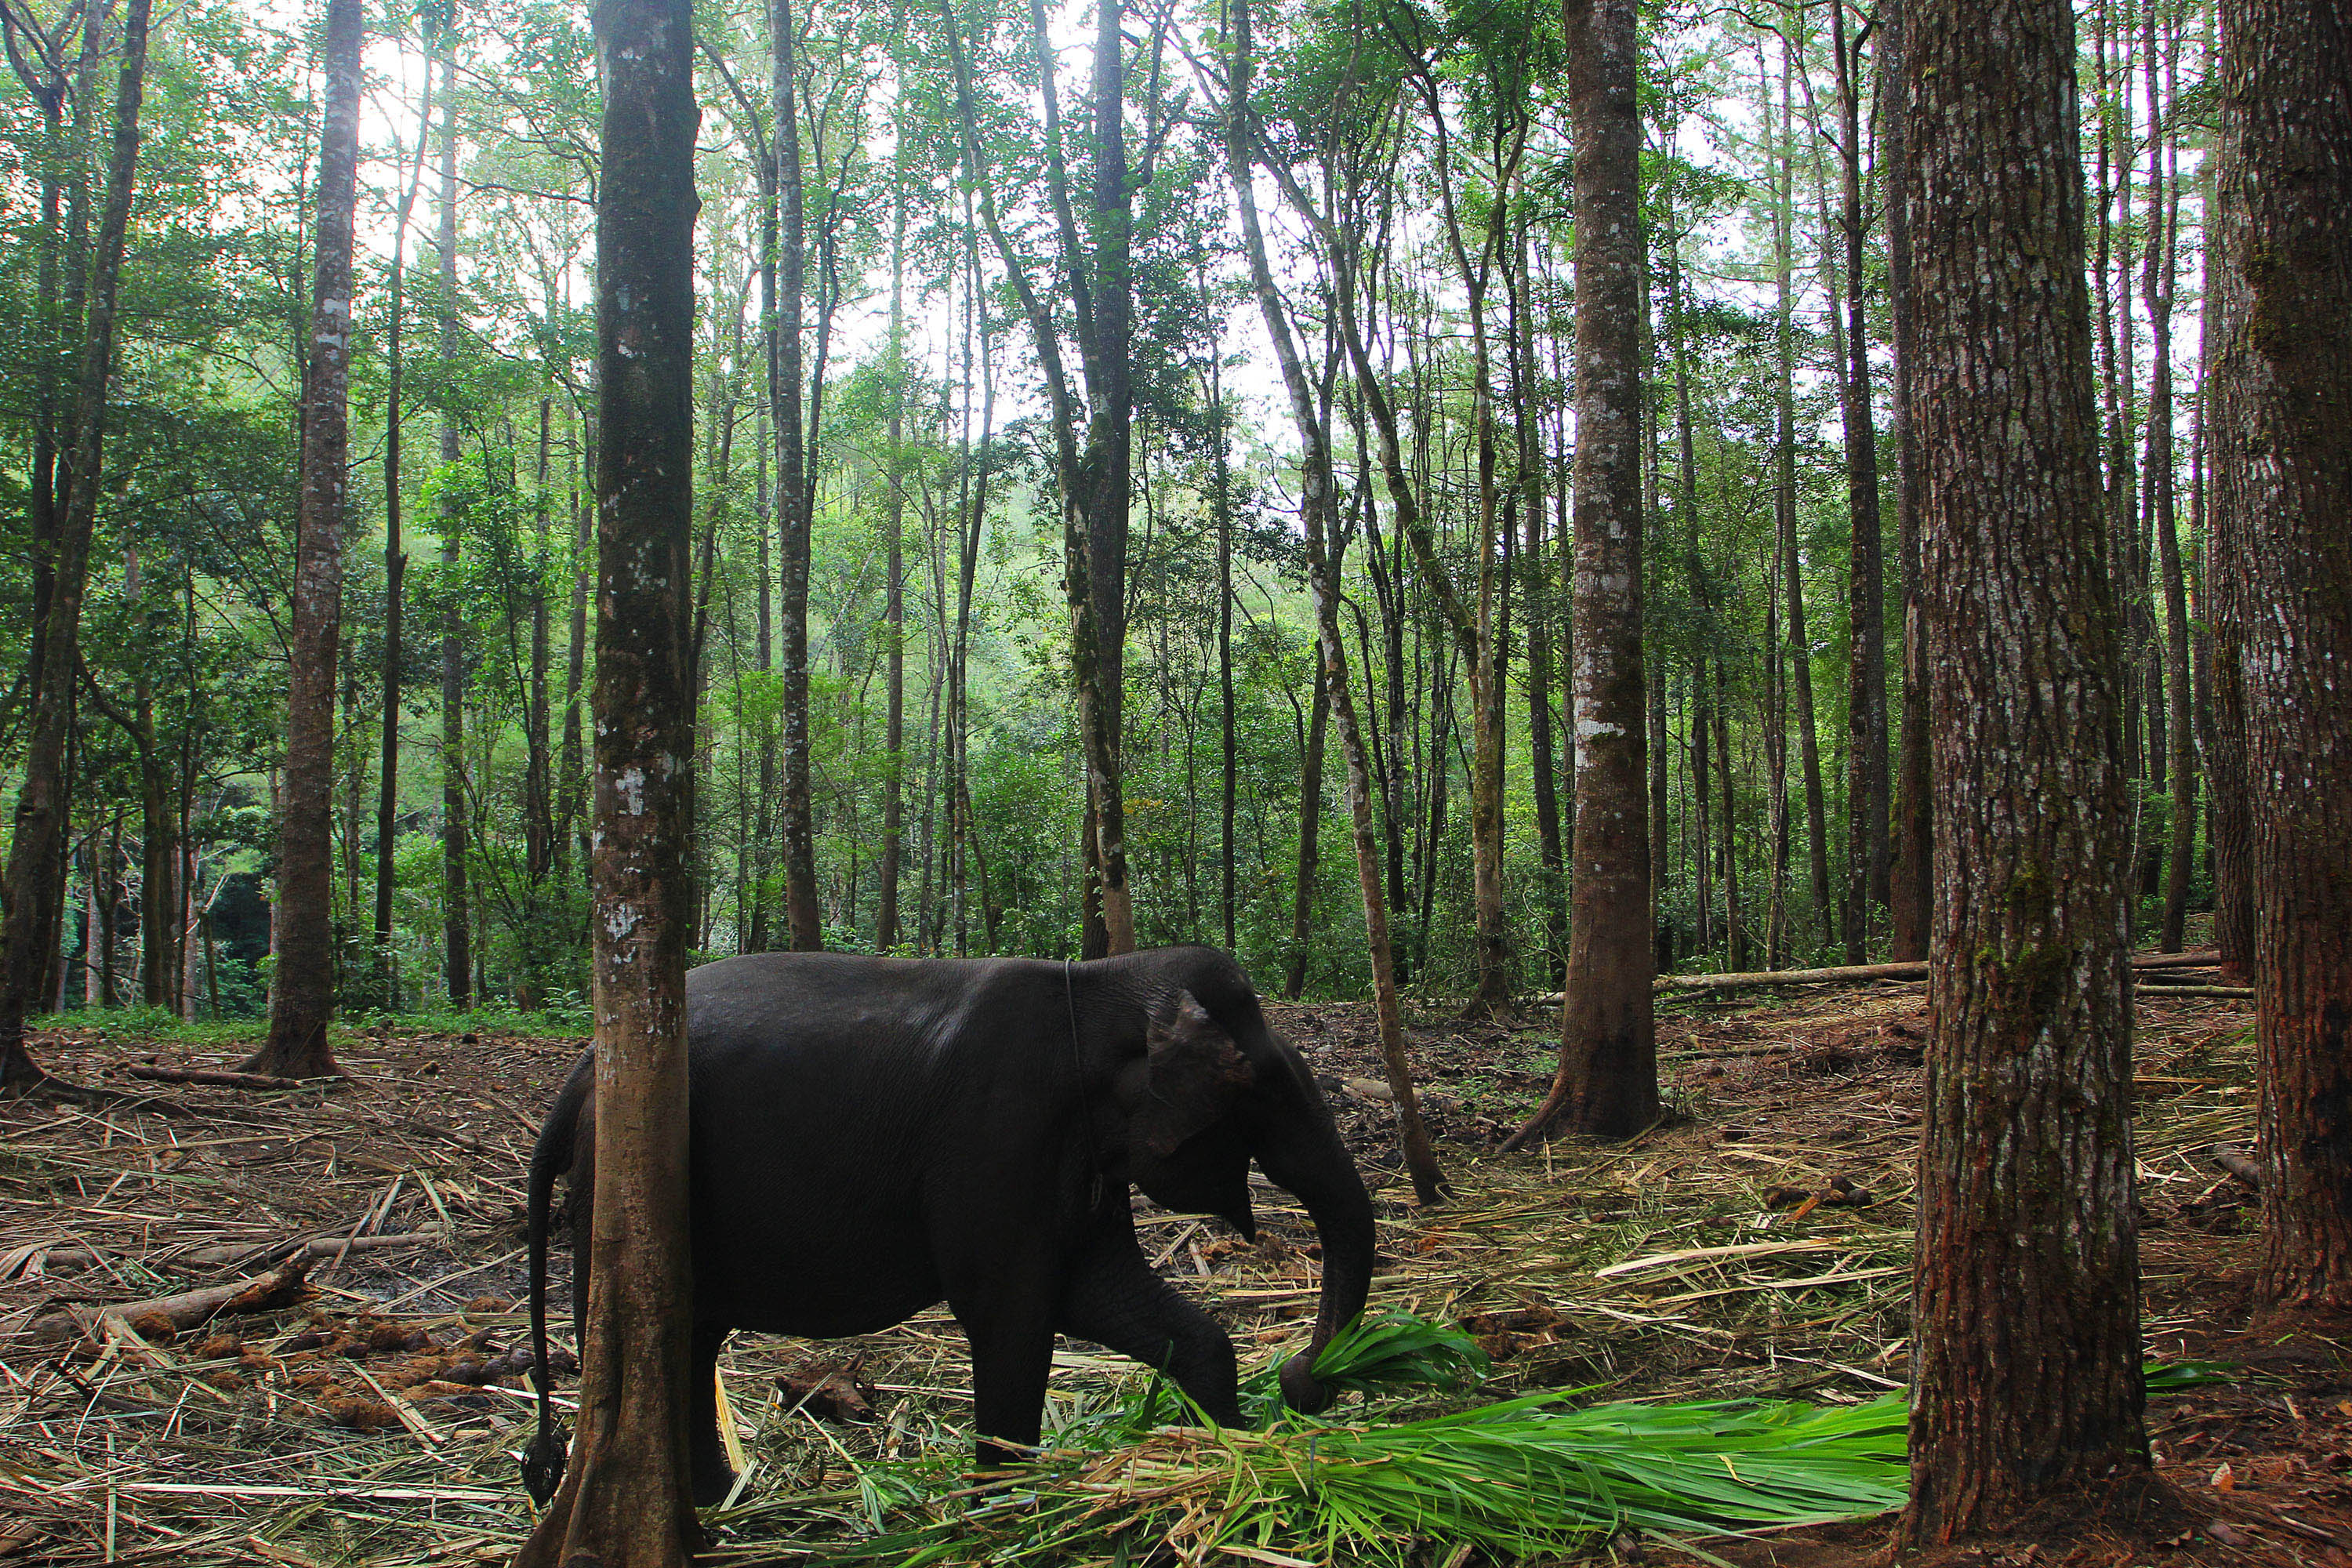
(870, 1136)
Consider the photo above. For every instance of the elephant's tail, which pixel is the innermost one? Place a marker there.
(542, 1463)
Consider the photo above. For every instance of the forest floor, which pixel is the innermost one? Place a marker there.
(1757, 1244)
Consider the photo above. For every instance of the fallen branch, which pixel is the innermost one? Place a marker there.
(281, 1288)
(2241, 991)
(216, 1080)
(2235, 1161)
(309, 1248)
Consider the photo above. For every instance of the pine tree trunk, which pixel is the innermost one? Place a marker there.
(2282, 463)
(623, 1500)
(2026, 1381)
(35, 870)
(1608, 1077)
(302, 990)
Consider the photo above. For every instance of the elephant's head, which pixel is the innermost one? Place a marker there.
(1215, 1088)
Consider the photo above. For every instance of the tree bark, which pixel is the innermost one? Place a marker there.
(623, 1500)
(303, 991)
(2026, 1381)
(1607, 1081)
(36, 872)
(2282, 460)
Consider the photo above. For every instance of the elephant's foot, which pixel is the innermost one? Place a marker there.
(713, 1479)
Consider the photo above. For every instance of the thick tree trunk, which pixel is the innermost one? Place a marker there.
(623, 1501)
(1608, 1077)
(2026, 1362)
(302, 990)
(2282, 460)
(457, 904)
(35, 871)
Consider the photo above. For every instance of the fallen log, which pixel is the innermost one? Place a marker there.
(2241, 991)
(282, 1286)
(1857, 973)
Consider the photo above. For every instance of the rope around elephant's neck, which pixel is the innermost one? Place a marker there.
(1086, 1101)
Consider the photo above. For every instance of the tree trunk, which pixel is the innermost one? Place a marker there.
(2282, 460)
(1223, 504)
(456, 908)
(2026, 1384)
(803, 919)
(1311, 823)
(2164, 202)
(623, 1501)
(395, 569)
(894, 604)
(36, 872)
(1323, 561)
(302, 989)
(1866, 848)
(1911, 891)
(1608, 1077)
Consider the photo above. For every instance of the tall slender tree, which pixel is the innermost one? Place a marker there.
(1608, 1077)
(302, 989)
(2026, 1362)
(623, 1498)
(457, 895)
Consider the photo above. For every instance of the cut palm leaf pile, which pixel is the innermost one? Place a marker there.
(1522, 1476)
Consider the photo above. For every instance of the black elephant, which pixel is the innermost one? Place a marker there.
(870, 1136)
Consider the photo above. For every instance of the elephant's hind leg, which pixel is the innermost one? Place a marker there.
(713, 1476)
(1115, 1299)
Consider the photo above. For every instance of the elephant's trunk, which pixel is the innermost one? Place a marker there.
(1318, 1171)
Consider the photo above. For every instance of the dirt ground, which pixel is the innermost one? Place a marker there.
(1758, 1244)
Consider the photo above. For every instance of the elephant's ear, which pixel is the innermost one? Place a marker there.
(1195, 1074)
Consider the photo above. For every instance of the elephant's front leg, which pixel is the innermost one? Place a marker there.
(1115, 1299)
(1007, 1314)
